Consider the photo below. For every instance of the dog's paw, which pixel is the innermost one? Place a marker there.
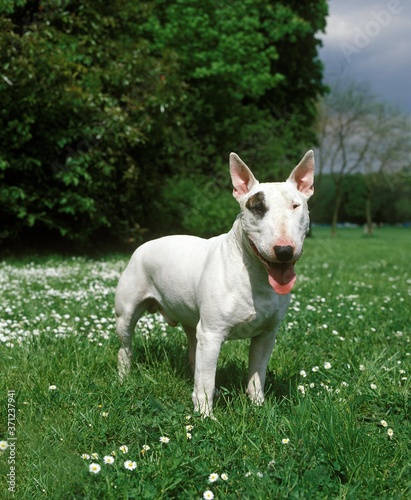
(256, 398)
(209, 415)
(258, 401)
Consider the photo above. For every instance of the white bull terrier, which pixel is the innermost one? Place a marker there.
(233, 286)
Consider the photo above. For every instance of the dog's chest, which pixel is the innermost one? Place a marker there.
(261, 316)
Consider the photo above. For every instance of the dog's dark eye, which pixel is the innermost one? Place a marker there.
(256, 204)
(296, 205)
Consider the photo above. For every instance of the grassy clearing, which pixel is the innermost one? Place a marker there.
(336, 423)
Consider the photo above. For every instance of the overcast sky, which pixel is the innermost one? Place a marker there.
(370, 41)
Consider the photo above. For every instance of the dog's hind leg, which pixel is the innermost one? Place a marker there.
(192, 345)
(125, 324)
(129, 305)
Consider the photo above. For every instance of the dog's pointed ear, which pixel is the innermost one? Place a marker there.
(303, 175)
(241, 176)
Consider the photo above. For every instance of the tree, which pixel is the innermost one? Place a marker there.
(252, 74)
(80, 97)
(358, 134)
(241, 79)
(107, 104)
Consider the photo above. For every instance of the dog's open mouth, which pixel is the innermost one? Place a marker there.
(281, 275)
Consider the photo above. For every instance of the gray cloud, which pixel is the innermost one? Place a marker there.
(370, 41)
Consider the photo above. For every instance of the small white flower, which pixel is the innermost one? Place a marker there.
(362, 368)
(315, 368)
(189, 428)
(3, 445)
(164, 439)
(145, 448)
(312, 385)
(384, 423)
(248, 474)
(390, 433)
(85, 456)
(285, 440)
(52, 387)
(303, 373)
(259, 474)
(124, 448)
(301, 389)
(208, 495)
(94, 455)
(327, 365)
(108, 460)
(213, 477)
(189, 436)
(129, 465)
(104, 414)
(373, 386)
(224, 476)
(94, 468)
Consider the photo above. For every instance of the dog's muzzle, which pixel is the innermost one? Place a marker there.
(281, 275)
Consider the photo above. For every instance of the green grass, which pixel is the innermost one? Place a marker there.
(350, 308)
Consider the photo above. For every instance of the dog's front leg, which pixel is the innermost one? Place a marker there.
(261, 348)
(207, 351)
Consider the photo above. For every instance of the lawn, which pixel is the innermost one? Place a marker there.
(336, 422)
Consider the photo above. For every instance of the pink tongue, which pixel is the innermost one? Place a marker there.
(282, 278)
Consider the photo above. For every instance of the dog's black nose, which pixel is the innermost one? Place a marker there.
(284, 253)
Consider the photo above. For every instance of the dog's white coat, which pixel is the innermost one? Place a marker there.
(220, 289)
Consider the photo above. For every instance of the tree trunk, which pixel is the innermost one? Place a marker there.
(368, 214)
(337, 203)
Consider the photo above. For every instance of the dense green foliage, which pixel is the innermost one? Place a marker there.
(338, 381)
(109, 108)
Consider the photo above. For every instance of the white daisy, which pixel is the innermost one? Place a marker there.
(94, 468)
(129, 465)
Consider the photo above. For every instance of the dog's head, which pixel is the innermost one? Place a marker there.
(274, 216)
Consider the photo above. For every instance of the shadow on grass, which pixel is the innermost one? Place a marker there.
(168, 356)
